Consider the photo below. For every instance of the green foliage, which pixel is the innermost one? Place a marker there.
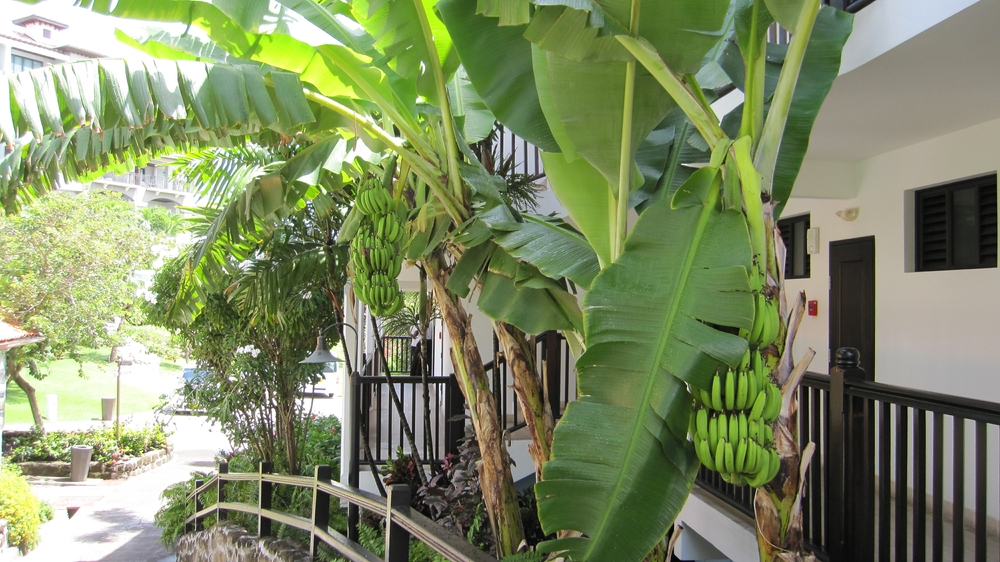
(177, 508)
(38, 445)
(196, 104)
(372, 538)
(530, 556)
(402, 470)
(65, 268)
(45, 511)
(322, 445)
(20, 507)
(454, 499)
(253, 373)
(163, 220)
(157, 340)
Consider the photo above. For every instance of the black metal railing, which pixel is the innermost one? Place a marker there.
(381, 424)
(898, 474)
(401, 522)
(526, 157)
(848, 5)
(555, 371)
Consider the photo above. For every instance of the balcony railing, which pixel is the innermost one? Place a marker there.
(383, 429)
(157, 180)
(899, 474)
(848, 5)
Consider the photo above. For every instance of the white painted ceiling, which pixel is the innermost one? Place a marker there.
(943, 80)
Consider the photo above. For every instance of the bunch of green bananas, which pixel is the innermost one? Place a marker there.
(766, 318)
(376, 255)
(731, 423)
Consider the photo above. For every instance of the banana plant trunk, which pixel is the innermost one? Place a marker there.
(495, 478)
(778, 504)
(537, 413)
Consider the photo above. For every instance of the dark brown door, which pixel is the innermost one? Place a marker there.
(852, 299)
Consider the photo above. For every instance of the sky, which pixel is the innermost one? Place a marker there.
(97, 32)
(87, 30)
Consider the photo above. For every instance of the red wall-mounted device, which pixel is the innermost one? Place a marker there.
(813, 308)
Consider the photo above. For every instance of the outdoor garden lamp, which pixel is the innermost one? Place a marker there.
(322, 353)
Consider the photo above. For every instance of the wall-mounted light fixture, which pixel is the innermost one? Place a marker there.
(849, 214)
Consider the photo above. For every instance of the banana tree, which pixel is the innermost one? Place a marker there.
(581, 60)
(403, 52)
(678, 299)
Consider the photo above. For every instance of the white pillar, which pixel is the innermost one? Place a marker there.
(52, 407)
(348, 448)
(4, 57)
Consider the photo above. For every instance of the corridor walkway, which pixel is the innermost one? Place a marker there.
(113, 521)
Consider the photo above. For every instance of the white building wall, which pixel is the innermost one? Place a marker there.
(933, 330)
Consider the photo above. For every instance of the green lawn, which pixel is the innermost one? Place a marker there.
(80, 397)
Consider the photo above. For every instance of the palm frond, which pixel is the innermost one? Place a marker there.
(216, 174)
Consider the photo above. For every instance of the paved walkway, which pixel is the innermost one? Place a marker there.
(113, 519)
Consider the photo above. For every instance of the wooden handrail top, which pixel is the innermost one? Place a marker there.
(207, 485)
(241, 477)
(816, 380)
(345, 546)
(958, 406)
(448, 543)
(300, 523)
(402, 379)
(288, 480)
(360, 498)
(241, 507)
(207, 511)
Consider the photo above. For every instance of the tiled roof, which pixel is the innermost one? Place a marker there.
(9, 332)
(26, 39)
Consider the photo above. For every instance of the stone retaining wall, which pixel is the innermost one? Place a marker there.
(116, 471)
(229, 543)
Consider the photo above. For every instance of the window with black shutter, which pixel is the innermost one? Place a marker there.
(956, 225)
(793, 233)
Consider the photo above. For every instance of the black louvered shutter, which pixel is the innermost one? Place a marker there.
(956, 225)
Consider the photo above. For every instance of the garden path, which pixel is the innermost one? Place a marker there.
(113, 521)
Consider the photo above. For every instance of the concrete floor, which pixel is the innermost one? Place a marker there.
(113, 519)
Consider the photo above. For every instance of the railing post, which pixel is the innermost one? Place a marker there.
(353, 477)
(851, 462)
(197, 504)
(220, 493)
(264, 499)
(188, 527)
(320, 507)
(397, 539)
(454, 412)
(553, 371)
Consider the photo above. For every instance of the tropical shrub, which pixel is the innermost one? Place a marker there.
(20, 507)
(177, 508)
(158, 341)
(322, 445)
(39, 445)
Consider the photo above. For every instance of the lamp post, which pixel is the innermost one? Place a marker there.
(118, 398)
(322, 355)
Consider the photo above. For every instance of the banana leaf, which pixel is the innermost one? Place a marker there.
(121, 114)
(657, 318)
(506, 84)
(819, 69)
